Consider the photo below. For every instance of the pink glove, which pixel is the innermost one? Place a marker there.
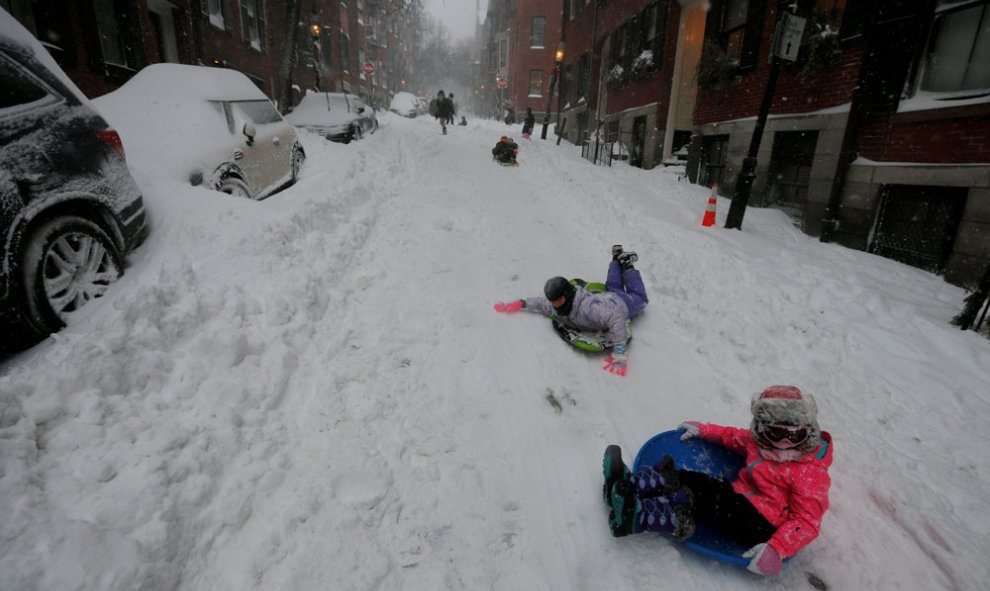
(765, 560)
(510, 307)
(691, 429)
(616, 363)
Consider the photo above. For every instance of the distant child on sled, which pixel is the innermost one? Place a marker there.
(775, 505)
(505, 151)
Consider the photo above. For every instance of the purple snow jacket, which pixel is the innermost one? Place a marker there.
(600, 311)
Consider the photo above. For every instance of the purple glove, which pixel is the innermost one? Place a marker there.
(765, 560)
(691, 429)
(510, 307)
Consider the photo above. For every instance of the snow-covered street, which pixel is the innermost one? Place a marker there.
(314, 392)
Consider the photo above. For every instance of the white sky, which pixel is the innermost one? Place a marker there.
(313, 391)
(459, 16)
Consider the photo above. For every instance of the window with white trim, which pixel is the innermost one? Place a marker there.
(111, 37)
(537, 32)
(536, 83)
(958, 57)
(214, 9)
(252, 23)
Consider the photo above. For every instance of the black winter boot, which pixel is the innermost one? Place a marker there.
(626, 260)
(616, 251)
(613, 469)
(625, 506)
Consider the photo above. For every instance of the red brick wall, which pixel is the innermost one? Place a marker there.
(657, 88)
(818, 89)
(957, 135)
(523, 58)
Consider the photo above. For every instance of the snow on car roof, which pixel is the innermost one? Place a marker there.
(192, 82)
(314, 109)
(404, 100)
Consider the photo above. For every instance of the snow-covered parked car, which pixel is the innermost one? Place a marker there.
(70, 211)
(210, 126)
(405, 104)
(339, 117)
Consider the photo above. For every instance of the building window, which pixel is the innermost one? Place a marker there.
(791, 160)
(326, 45)
(214, 9)
(958, 58)
(503, 53)
(345, 53)
(734, 26)
(584, 78)
(714, 149)
(538, 31)
(536, 83)
(567, 83)
(917, 225)
(252, 23)
(112, 43)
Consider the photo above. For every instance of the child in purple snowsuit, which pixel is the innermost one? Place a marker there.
(609, 311)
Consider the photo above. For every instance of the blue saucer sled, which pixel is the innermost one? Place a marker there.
(698, 455)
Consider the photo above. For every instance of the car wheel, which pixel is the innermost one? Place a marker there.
(298, 157)
(232, 185)
(68, 261)
(357, 132)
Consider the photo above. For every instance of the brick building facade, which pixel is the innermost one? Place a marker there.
(876, 137)
(521, 38)
(102, 43)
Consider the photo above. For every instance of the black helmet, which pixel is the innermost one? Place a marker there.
(558, 286)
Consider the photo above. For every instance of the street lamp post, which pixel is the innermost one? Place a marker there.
(558, 59)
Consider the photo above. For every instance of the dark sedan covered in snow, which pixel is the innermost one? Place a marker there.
(69, 209)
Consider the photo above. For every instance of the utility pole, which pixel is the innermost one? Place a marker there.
(787, 42)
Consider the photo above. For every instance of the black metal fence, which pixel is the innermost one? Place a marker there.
(598, 152)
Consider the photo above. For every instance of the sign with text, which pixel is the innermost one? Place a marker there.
(369, 68)
(503, 83)
(788, 38)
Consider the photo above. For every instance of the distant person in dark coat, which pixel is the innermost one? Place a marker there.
(529, 121)
(445, 110)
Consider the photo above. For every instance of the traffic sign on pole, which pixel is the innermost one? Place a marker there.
(369, 68)
(503, 83)
(787, 41)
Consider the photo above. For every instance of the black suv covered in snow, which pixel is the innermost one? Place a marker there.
(69, 209)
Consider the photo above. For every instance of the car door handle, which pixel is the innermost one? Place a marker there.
(276, 141)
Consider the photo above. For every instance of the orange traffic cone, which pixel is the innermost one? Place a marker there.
(709, 219)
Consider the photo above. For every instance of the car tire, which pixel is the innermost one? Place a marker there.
(357, 132)
(67, 262)
(298, 158)
(232, 185)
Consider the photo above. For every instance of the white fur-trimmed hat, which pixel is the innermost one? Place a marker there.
(784, 405)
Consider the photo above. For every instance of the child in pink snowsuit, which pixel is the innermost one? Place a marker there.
(776, 503)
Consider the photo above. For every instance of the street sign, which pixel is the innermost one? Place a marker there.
(369, 68)
(503, 83)
(788, 38)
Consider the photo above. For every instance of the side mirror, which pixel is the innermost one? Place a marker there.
(249, 132)
(360, 109)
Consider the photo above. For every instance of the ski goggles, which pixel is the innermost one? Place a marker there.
(781, 433)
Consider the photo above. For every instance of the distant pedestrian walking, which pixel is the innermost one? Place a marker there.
(445, 110)
(529, 121)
